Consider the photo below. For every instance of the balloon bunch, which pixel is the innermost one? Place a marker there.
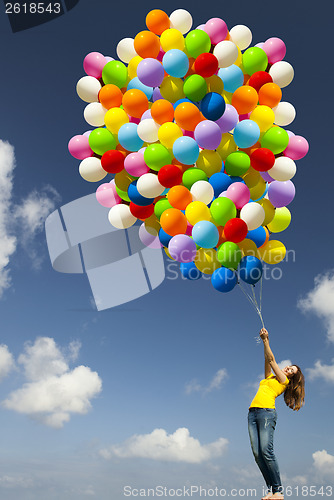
(191, 128)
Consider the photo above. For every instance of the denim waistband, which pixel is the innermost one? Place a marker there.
(254, 408)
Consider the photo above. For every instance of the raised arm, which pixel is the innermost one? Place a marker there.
(270, 362)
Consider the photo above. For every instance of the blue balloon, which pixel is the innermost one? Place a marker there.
(175, 63)
(213, 106)
(250, 269)
(232, 77)
(136, 197)
(135, 83)
(205, 234)
(246, 133)
(164, 238)
(224, 279)
(185, 150)
(220, 182)
(128, 137)
(175, 105)
(236, 178)
(258, 235)
(190, 271)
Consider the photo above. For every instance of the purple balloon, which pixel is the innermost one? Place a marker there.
(156, 94)
(147, 114)
(150, 72)
(182, 248)
(280, 194)
(229, 119)
(266, 177)
(208, 134)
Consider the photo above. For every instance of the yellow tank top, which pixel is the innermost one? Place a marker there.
(268, 391)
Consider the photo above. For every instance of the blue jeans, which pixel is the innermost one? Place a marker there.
(261, 426)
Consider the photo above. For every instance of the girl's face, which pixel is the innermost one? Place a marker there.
(290, 371)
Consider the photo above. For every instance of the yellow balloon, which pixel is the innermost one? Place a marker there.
(281, 220)
(206, 260)
(251, 177)
(168, 133)
(132, 66)
(115, 118)
(248, 247)
(269, 211)
(167, 253)
(263, 116)
(152, 225)
(215, 84)
(171, 89)
(272, 252)
(226, 146)
(227, 97)
(239, 58)
(172, 39)
(257, 191)
(123, 180)
(209, 161)
(197, 211)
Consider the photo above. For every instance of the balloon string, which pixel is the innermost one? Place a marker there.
(254, 303)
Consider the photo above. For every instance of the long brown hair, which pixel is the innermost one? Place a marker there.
(294, 394)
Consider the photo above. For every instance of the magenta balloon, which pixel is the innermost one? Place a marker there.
(94, 63)
(182, 248)
(217, 30)
(239, 193)
(208, 134)
(275, 49)
(135, 165)
(297, 147)
(229, 119)
(78, 146)
(280, 194)
(150, 72)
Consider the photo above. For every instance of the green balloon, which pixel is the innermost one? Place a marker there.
(276, 139)
(195, 87)
(160, 206)
(115, 72)
(229, 254)
(192, 175)
(101, 140)
(222, 209)
(156, 156)
(237, 163)
(122, 194)
(254, 59)
(197, 41)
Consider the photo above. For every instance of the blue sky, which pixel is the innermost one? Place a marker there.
(183, 358)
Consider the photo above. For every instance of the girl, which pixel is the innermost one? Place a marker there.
(262, 414)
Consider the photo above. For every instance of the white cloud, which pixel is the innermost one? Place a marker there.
(323, 463)
(177, 447)
(215, 383)
(52, 391)
(321, 370)
(6, 361)
(7, 238)
(15, 482)
(320, 301)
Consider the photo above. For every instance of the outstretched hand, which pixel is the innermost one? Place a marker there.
(264, 334)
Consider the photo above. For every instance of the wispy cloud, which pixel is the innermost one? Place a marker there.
(7, 363)
(52, 392)
(320, 301)
(158, 445)
(321, 370)
(215, 383)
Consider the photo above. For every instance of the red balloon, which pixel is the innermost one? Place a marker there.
(235, 230)
(258, 79)
(140, 212)
(170, 175)
(262, 159)
(112, 161)
(206, 64)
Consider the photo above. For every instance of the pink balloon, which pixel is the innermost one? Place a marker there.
(189, 229)
(216, 29)
(275, 49)
(94, 63)
(239, 193)
(135, 165)
(106, 194)
(149, 239)
(78, 147)
(297, 147)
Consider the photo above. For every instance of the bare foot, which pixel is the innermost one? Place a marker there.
(277, 495)
(268, 495)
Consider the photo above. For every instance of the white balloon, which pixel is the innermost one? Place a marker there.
(253, 214)
(94, 114)
(181, 20)
(285, 113)
(241, 35)
(283, 170)
(125, 50)
(88, 89)
(226, 53)
(148, 130)
(149, 186)
(91, 169)
(282, 73)
(120, 216)
(202, 191)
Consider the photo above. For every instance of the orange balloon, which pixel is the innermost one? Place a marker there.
(110, 96)
(270, 94)
(250, 150)
(187, 115)
(267, 237)
(162, 111)
(147, 44)
(244, 99)
(135, 102)
(157, 21)
(173, 221)
(181, 166)
(179, 197)
(222, 238)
